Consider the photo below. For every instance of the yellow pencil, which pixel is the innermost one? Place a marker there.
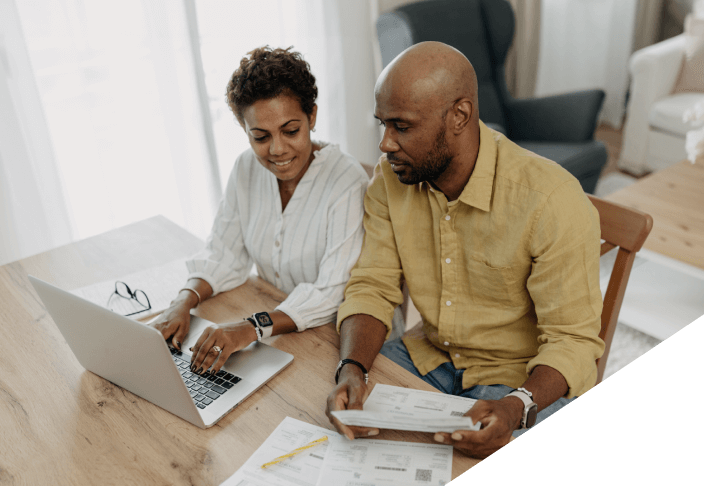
(296, 451)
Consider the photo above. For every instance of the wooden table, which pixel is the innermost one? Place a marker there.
(60, 424)
(674, 197)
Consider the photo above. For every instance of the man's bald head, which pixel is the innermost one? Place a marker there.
(427, 101)
(431, 73)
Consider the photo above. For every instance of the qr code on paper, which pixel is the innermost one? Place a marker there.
(424, 475)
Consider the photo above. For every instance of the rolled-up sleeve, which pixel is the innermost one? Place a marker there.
(224, 262)
(314, 304)
(564, 286)
(374, 287)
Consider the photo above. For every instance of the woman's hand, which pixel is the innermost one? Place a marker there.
(230, 338)
(174, 322)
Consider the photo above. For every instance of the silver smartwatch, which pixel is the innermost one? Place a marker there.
(530, 409)
(264, 323)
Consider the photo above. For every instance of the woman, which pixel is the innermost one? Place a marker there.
(293, 207)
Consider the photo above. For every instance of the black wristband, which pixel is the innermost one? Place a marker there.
(351, 361)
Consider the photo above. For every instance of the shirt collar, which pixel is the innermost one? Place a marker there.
(480, 186)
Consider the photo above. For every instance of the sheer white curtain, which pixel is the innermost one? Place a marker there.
(121, 88)
(334, 36)
(33, 214)
(522, 57)
(586, 44)
(124, 136)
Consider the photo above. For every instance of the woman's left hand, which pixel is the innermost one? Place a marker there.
(230, 338)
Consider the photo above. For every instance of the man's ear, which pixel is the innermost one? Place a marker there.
(463, 110)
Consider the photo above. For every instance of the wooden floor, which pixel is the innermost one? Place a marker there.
(612, 139)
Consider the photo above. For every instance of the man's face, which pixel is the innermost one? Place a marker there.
(414, 136)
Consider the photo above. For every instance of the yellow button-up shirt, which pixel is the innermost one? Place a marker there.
(506, 277)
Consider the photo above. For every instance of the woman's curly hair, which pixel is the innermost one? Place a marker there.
(266, 73)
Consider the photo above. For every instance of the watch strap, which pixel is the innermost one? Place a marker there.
(264, 322)
(256, 328)
(345, 361)
(527, 398)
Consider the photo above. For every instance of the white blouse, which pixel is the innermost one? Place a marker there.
(306, 251)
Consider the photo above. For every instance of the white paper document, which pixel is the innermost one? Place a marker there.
(160, 284)
(410, 402)
(397, 408)
(300, 470)
(371, 462)
(363, 418)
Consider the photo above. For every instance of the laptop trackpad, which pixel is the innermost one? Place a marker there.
(256, 362)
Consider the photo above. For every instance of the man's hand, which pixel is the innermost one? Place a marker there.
(499, 419)
(361, 338)
(349, 394)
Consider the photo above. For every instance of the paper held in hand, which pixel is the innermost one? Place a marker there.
(397, 408)
(363, 418)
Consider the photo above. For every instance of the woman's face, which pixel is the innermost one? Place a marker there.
(279, 133)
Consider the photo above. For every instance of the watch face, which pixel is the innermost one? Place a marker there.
(532, 415)
(263, 319)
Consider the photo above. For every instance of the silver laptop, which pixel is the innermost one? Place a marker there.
(136, 357)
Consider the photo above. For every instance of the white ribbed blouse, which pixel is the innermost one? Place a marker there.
(306, 251)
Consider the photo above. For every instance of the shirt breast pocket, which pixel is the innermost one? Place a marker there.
(503, 286)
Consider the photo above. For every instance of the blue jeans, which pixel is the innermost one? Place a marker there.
(448, 379)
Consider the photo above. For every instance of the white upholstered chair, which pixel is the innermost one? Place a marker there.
(654, 134)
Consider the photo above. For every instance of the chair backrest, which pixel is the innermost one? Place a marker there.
(627, 230)
(481, 29)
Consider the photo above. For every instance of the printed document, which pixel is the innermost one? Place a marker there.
(397, 408)
(407, 401)
(340, 461)
(371, 462)
(300, 470)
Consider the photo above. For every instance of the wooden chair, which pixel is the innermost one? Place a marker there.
(621, 227)
(626, 229)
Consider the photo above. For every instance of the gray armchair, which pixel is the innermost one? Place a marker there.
(560, 127)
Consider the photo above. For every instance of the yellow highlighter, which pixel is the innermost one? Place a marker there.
(295, 451)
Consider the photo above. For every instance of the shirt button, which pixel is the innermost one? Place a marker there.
(446, 343)
(447, 217)
(457, 355)
(447, 260)
(276, 274)
(448, 303)
(276, 243)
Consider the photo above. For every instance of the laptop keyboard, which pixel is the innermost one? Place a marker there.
(203, 389)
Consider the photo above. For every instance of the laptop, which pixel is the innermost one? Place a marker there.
(136, 357)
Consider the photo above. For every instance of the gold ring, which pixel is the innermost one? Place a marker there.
(217, 349)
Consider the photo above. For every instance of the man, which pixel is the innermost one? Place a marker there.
(500, 251)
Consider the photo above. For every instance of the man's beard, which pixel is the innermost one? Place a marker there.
(434, 164)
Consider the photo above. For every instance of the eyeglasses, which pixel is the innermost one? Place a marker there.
(124, 301)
